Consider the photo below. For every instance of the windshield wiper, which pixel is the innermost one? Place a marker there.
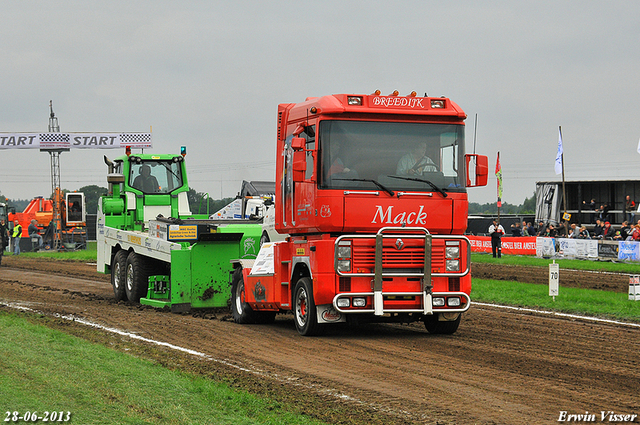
(389, 191)
(442, 192)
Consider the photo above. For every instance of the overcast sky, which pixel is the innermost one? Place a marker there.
(209, 75)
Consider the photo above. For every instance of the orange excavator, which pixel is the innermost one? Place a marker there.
(68, 230)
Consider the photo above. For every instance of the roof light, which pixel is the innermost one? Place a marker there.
(313, 110)
(395, 93)
(127, 150)
(376, 93)
(437, 104)
(183, 151)
(354, 100)
(412, 94)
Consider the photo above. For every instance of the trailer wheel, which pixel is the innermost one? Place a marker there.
(118, 274)
(137, 277)
(305, 313)
(434, 326)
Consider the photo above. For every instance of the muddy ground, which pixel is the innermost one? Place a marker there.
(501, 367)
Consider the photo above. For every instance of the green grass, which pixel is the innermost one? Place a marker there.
(525, 260)
(604, 304)
(46, 370)
(88, 255)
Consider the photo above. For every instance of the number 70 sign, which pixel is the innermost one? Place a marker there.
(554, 279)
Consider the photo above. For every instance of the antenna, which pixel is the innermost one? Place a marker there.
(53, 121)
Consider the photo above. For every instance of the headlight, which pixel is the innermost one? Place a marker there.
(344, 265)
(453, 302)
(438, 302)
(343, 302)
(452, 252)
(453, 265)
(359, 302)
(344, 251)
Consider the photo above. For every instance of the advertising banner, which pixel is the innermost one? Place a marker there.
(629, 251)
(579, 248)
(510, 246)
(74, 140)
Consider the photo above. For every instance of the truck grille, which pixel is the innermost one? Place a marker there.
(411, 256)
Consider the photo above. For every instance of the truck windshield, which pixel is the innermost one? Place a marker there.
(400, 156)
(155, 176)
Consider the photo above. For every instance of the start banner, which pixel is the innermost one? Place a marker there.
(74, 140)
(525, 245)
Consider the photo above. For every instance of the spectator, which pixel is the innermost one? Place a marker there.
(542, 229)
(35, 233)
(4, 237)
(515, 230)
(592, 207)
(525, 230)
(551, 231)
(584, 233)
(598, 230)
(531, 229)
(629, 209)
(496, 231)
(635, 234)
(575, 231)
(625, 230)
(609, 231)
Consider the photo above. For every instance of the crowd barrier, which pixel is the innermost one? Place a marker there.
(561, 247)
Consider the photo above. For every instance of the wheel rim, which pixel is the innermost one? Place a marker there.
(301, 307)
(130, 277)
(116, 276)
(239, 297)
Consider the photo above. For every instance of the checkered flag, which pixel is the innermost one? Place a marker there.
(54, 137)
(141, 140)
(54, 140)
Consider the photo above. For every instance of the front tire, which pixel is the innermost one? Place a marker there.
(119, 275)
(137, 277)
(305, 312)
(435, 326)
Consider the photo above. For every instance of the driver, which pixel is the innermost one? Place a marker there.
(416, 162)
(145, 181)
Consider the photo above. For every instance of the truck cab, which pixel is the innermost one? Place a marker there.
(372, 190)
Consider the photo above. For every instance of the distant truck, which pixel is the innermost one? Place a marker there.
(157, 252)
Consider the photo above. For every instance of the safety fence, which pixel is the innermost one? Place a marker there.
(561, 247)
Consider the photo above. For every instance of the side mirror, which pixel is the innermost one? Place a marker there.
(477, 166)
(298, 143)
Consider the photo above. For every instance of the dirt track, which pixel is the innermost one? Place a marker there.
(501, 366)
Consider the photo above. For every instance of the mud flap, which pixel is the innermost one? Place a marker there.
(327, 313)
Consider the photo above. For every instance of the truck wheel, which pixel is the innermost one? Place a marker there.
(434, 326)
(118, 274)
(137, 277)
(305, 313)
(240, 310)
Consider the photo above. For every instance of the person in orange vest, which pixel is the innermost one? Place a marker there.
(17, 234)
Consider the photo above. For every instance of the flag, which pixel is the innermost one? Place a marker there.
(559, 154)
(499, 177)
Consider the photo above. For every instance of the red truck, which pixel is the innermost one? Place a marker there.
(372, 191)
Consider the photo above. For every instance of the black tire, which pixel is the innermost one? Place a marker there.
(119, 274)
(137, 277)
(434, 326)
(305, 312)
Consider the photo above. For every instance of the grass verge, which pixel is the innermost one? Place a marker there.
(592, 302)
(524, 260)
(44, 369)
